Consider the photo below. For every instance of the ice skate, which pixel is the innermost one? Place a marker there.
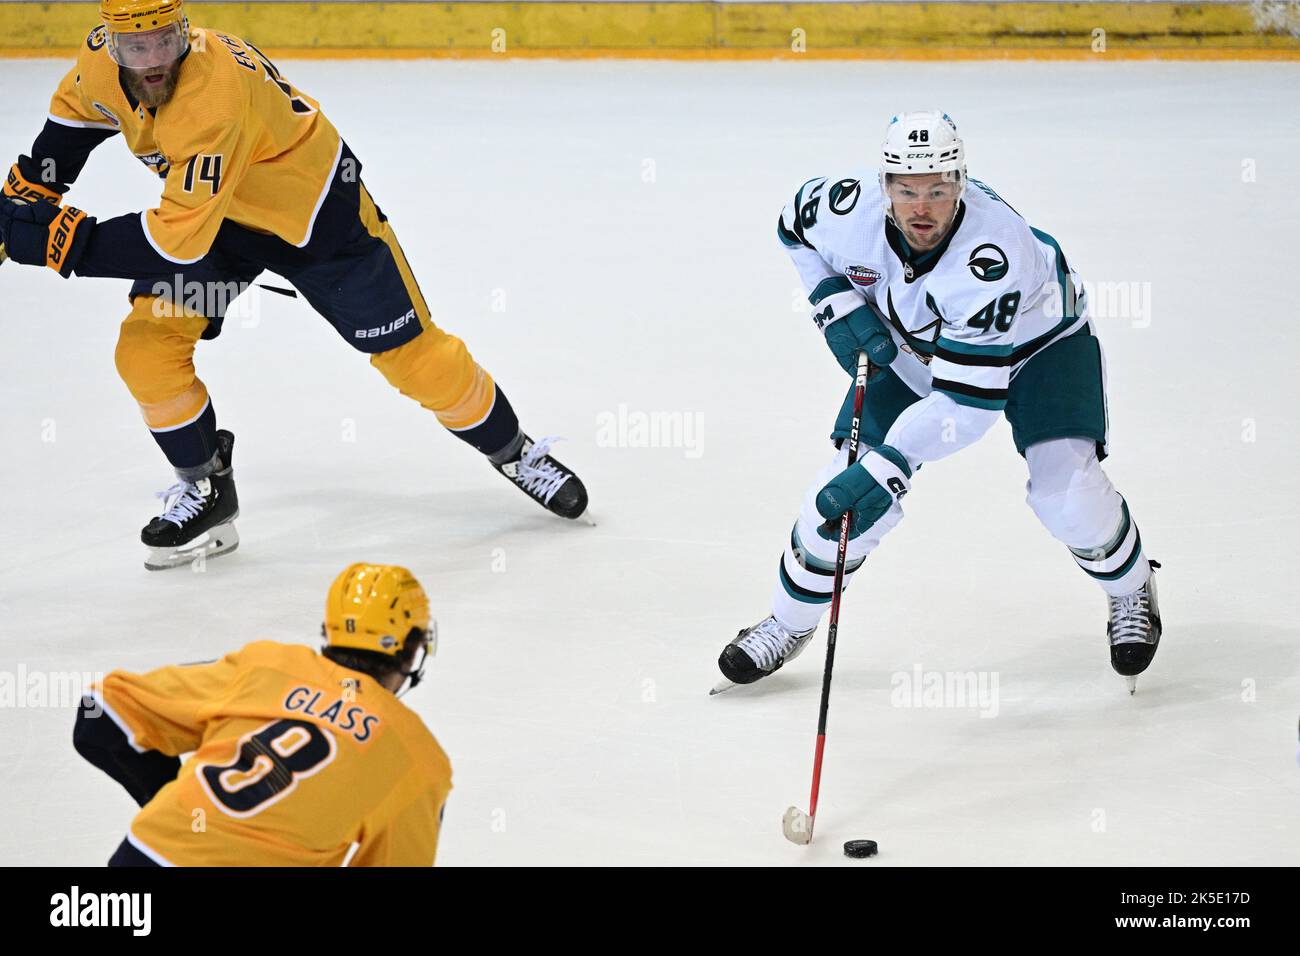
(758, 651)
(199, 518)
(544, 479)
(1134, 631)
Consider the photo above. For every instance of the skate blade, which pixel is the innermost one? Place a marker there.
(1132, 684)
(221, 539)
(587, 518)
(797, 826)
(722, 687)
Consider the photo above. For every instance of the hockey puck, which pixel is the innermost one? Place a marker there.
(860, 849)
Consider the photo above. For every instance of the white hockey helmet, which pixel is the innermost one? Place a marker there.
(923, 141)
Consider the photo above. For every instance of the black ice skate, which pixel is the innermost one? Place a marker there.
(758, 651)
(198, 522)
(1134, 630)
(544, 479)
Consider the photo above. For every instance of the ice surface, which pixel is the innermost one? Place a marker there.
(603, 236)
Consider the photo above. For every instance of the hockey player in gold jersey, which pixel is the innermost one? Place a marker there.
(294, 756)
(255, 177)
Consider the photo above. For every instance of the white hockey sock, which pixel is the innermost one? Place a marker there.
(805, 584)
(1118, 565)
(806, 577)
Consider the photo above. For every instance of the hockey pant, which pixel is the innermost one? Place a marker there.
(360, 282)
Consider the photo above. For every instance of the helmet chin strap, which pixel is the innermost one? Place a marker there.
(417, 675)
(414, 677)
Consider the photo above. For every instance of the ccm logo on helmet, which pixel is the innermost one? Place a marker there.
(385, 329)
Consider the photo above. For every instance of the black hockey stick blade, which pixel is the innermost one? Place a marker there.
(278, 290)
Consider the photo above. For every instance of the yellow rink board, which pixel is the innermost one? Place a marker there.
(712, 30)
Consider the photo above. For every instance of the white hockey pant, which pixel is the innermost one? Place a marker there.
(1068, 491)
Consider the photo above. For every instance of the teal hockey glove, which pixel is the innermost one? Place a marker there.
(869, 488)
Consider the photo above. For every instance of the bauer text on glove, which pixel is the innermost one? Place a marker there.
(43, 234)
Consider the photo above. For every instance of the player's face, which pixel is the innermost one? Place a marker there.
(924, 207)
(151, 62)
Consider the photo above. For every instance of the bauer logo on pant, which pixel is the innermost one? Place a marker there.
(386, 329)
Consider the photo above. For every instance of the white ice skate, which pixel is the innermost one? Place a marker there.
(1134, 631)
(198, 522)
(758, 651)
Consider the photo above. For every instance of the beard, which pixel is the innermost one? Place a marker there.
(923, 241)
(153, 95)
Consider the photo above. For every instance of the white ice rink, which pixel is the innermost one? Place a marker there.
(603, 236)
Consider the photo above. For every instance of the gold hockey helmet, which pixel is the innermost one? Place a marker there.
(374, 607)
(145, 34)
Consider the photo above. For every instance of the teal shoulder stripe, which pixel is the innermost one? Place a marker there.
(991, 404)
(798, 197)
(1045, 237)
(828, 287)
(1071, 305)
(787, 238)
(967, 348)
(1067, 287)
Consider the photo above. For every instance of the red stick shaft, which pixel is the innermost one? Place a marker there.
(841, 556)
(817, 776)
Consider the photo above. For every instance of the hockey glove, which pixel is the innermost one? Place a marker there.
(44, 234)
(18, 186)
(859, 330)
(870, 487)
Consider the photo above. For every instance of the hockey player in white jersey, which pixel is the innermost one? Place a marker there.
(966, 313)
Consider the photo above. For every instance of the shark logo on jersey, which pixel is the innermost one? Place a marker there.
(988, 263)
(861, 275)
(844, 196)
(928, 333)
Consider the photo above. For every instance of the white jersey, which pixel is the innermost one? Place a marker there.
(965, 315)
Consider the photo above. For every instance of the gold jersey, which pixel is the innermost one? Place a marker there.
(236, 141)
(293, 759)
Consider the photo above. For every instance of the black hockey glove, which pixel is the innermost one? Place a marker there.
(43, 234)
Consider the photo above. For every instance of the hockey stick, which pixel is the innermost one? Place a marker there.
(279, 291)
(269, 288)
(797, 825)
(4, 257)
